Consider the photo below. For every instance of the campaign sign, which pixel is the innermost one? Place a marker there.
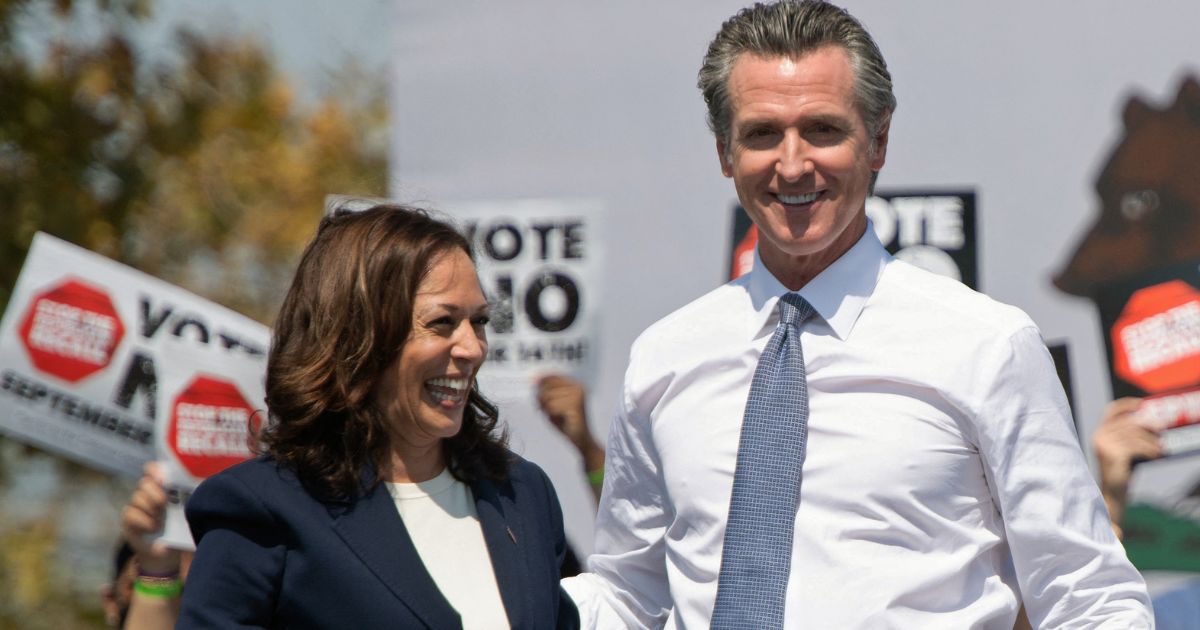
(539, 264)
(932, 230)
(1151, 325)
(212, 409)
(1152, 334)
(89, 348)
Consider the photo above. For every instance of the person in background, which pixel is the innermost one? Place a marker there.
(116, 593)
(838, 439)
(386, 497)
(1120, 442)
(148, 576)
(564, 401)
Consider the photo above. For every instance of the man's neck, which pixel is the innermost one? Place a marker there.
(794, 272)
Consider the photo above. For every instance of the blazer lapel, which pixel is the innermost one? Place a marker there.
(373, 530)
(505, 541)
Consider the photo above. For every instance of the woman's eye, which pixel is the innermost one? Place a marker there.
(481, 321)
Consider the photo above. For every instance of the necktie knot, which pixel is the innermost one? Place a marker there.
(793, 309)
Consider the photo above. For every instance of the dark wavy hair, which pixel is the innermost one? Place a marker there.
(344, 321)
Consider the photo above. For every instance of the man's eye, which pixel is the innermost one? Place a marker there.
(481, 321)
(825, 135)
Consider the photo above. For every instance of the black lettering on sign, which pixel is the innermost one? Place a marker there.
(503, 242)
(177, 496)
(184, 324)
(569, 237)
(573, 240)
(542, 230)
(497, 354)
(179, 325)
(152, 322)
(501, 315)
(139, 378)
(533, 302)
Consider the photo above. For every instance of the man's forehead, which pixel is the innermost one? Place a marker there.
(790, 72)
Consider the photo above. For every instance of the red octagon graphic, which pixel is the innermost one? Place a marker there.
(71, 331)
(209, 427)
(1156, 340)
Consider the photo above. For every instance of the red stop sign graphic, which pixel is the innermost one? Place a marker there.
(209, 429)
(71, 331)
(1156, 340)
(743, 254)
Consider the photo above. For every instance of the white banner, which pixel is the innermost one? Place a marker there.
(111, 367)
(541, 264)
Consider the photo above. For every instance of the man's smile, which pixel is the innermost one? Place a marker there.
(795, 200)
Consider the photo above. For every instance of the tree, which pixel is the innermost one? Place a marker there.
(201, 168)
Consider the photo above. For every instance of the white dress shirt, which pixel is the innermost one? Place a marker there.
(944, 484)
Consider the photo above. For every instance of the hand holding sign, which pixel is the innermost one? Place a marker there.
(143, 519)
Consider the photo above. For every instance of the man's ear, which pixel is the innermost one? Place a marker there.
(879, 144)
(726, 158)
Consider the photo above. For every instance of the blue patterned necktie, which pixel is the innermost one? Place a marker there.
(757, 556)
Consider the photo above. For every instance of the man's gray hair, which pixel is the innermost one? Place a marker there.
(793, 29)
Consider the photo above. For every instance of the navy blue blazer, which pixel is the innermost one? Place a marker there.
(269, 554)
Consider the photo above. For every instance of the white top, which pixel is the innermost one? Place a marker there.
(944, 483)
(440, 516)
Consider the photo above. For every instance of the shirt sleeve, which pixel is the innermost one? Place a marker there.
(627, 585)
(1071, 570)
(233, 580)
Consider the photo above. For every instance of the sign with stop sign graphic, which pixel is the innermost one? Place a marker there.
(71, 331)
(210, 427)
(1156, 338)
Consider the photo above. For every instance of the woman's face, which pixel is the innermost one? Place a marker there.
(424, 392)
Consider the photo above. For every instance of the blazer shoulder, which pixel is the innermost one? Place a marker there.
(254, 491)
(526, 474)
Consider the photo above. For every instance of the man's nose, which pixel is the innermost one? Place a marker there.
(794, 159)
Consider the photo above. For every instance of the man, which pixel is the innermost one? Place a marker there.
(935, 480)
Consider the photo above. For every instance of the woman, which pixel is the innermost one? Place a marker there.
(384, 498)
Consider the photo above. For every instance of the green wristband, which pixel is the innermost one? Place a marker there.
(596, 477)
(163, 589)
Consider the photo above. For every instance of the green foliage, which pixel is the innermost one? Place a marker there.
(199, 167)
(201, 170)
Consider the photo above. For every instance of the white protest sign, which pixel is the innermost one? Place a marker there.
(96, 359)
(540, 263)
(209, 404)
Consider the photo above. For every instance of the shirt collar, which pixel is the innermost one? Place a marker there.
(838, 294)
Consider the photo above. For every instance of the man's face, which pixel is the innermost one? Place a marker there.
(801, 158)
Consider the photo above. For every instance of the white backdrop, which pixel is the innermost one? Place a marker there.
(1019, 101)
